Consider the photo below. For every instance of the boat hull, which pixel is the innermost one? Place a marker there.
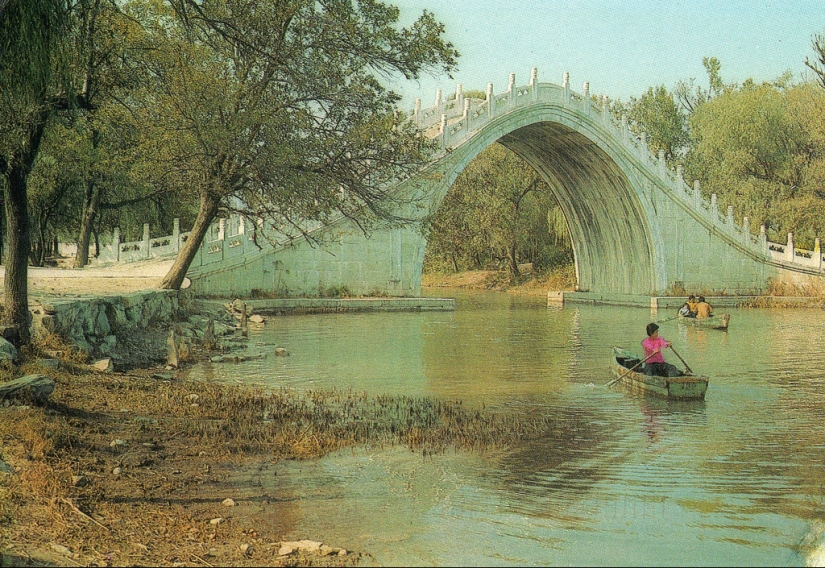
(688, 387)
(716, 322)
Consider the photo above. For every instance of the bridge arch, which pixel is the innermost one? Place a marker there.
(608, 223)
(637, 227)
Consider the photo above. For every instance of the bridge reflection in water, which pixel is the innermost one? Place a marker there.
(735, 480)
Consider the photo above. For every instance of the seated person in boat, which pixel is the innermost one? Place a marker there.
(692, 303)
(686, 312)
(703, 309)
(654, 345)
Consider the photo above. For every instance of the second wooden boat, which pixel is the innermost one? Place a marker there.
(686, 387)
(714, 322)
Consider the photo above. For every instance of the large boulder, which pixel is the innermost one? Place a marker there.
(8, 352)
(31, 388)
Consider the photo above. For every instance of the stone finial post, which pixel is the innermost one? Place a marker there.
(624, 128)
(116, 243)
(697, 195)
(443, 130)
(490, 103)
(662, 163)
(605, 110)
(510, 87)
(146, 239)
(818, 253)
(466, 114)
(242, 226)
(586, 96)
(643, 147)
(417, 111)
(438, 102)
(534, 85)
(680, 177)
(176, 234)
(221, 229)
(789, 250)
(714, 208)
(565, 84)
(459, 95)
(729, 217)
(746, 225)
(763, 238)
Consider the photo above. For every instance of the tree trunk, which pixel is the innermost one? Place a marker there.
(16, 282)
(511, 260)
(206, 214)
(90, 203)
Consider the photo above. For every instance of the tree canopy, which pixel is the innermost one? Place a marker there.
(276, 109)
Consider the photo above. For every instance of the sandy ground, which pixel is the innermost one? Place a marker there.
(94, 281)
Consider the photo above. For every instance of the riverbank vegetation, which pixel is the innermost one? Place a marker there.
(136, 467)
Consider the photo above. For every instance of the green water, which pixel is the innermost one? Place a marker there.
(623, 480)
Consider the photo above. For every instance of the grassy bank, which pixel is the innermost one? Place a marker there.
(528, 283)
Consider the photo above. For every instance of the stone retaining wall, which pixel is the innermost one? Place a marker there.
(95, 324)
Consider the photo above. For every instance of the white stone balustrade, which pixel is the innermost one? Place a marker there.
(456, 120)
(479, 112)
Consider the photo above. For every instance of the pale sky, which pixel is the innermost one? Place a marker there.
(621, 47)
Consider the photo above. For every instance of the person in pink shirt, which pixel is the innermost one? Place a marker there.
(654, 347)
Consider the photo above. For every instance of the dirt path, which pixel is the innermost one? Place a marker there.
(94, 281)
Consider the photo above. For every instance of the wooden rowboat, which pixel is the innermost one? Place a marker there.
(687, 387)
(713, 322)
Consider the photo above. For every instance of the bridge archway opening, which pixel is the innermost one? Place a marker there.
(500, 214)
(608, 227)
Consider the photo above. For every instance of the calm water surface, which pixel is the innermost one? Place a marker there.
(621, 480)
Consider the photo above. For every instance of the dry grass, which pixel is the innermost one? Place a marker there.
(533, 284)
(78, 496)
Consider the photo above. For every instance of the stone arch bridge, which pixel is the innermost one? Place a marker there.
(637, 228)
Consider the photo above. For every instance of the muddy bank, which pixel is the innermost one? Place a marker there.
(143, 467)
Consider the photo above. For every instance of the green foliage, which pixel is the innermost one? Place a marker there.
(497, 215)
(657, 115)
(690, 96)
(279, 111)
(761, 148)
(341, 291)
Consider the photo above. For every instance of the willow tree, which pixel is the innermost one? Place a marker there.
(31, 61)
(761, 148)
(276, 109)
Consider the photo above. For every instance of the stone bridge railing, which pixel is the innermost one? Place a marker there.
(452, 122)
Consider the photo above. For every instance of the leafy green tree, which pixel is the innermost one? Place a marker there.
(275, 108)
(498, 211)
(691, 96)
(760, 148)
(33, 67)
(657, 114)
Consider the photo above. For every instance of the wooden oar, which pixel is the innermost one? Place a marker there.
(668, 319)
(626, 373)
(682, 360)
